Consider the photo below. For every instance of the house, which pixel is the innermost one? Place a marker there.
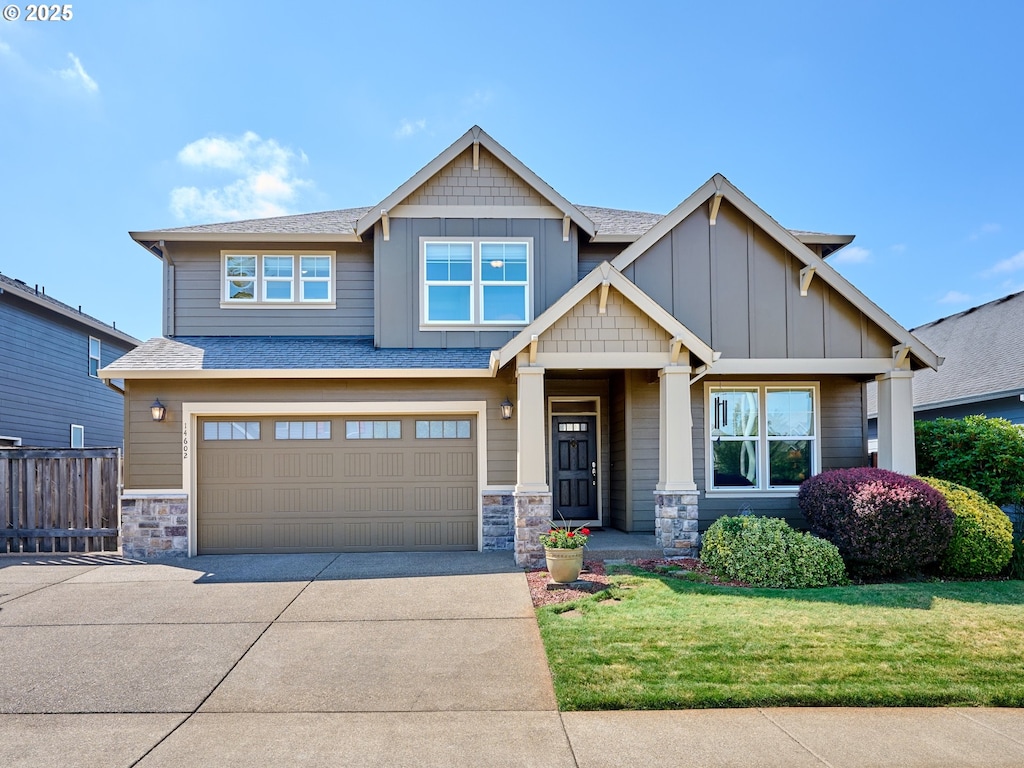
(51, 394)
(475, 356)
(983, 372)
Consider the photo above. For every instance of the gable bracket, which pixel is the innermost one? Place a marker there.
(476, 155)
(675, 348)
(533, 349)
(385, 223)
(565, 228)
(900, 353)
(602, 304)
(806, 275)
(716, 203)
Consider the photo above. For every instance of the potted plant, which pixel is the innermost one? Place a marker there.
(563, 552)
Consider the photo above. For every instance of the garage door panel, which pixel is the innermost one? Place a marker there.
(342, 494)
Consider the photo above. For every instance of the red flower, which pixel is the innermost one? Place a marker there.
(570, 534)
(585, 531)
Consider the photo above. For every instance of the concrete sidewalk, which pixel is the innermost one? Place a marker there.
(366, 660)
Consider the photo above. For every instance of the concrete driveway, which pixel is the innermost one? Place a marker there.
(425, 659)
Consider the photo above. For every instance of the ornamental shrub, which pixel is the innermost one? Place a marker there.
(884, 523)
(766, 552)
(982, 542)
(981, 453)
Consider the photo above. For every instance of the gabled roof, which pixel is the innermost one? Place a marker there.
(718, 185)
(984, 356)
(603, 273)
(474, 135)
(21, 289)
(288, 357)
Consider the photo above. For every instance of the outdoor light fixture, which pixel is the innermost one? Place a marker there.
(158, 409)
(506, 409)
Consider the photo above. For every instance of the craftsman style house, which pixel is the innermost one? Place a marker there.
(474, 356)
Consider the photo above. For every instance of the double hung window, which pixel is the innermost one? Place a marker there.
(762, 437)
(278, 279)
(94, 356)
(476, 282)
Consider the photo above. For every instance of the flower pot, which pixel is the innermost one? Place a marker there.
(564, 564)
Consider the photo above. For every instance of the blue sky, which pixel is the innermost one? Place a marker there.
(899, 122)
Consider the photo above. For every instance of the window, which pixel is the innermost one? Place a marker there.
(77, 436)
(302, 430)
(271, 278)
(231, 430)
(94, 357)
(442, 429)
(762, 437)
(373, 430)
(476, 282)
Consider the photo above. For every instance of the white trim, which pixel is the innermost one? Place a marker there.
(299, 373)
(192, 411)
(98, 357)
(763, 471)
(259, 300)
(407, 211)
(81, 429)
(812, 366)
(596, 413)
(153, 493)
(15, 442)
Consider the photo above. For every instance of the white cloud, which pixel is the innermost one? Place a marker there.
(76, 74)
(410, 127)
(266, 183)
(851, 254)
(898, 248)
(989, 228)
(1012, 264)
(956, 297)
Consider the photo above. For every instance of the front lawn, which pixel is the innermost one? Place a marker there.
(666, 643)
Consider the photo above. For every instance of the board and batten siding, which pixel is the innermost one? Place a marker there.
(398, 276)
(45, 385)
(153, 449)
(735, 287)
(197, 292)
(635, 421)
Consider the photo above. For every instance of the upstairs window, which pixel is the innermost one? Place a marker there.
(94, 357)
(272, 279)
(476, 282)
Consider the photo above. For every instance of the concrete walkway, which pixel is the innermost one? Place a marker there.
(367, 660)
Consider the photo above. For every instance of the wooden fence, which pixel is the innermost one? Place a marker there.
(58, 499)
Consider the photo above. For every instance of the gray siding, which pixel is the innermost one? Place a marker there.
(739, 290)
(619, 456)
(398, 281)
(593, 254)
(638, 444)
(195, 291)
(45, 385)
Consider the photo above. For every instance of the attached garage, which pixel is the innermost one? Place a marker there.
(330, 483)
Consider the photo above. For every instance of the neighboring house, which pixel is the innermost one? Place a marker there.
(51, 394)
(983, 372)
(473, 356)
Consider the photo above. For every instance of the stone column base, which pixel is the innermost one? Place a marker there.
(499, 521)
(532, 518)
(675, 523)
(154, 525)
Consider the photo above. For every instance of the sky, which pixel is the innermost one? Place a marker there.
(897, 122)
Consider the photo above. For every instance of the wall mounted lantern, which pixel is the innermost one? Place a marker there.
(506, 409)
(158, 409)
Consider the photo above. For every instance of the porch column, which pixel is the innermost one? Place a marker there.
(675, 496)
(896, 422)
(532, 495)
(675, 457)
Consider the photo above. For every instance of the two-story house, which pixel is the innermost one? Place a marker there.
(51, 393)
(475, 356)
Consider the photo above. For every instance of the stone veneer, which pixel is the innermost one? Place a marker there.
(532, 518)
(675, 523)
(154, 525)
(499, 521)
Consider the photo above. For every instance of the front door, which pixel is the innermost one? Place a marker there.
(574, 468)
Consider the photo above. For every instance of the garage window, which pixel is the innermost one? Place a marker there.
(302, 430)
(442, 429)
(231, 430)
(373, 430)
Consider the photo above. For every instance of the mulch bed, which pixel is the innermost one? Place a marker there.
(594, 579)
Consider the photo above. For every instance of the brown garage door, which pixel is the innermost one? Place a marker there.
(337, 484)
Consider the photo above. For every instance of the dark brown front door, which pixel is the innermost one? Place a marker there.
(574, 467)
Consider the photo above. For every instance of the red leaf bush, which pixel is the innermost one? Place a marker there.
(884, 523)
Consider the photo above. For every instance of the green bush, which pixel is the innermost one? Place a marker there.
(981, 453)
(766, 552)
(982, 542)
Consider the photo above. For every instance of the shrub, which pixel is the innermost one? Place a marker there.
(981, 453)
(884, 523)
(1015, 569)
(766, 552)
(982, 542)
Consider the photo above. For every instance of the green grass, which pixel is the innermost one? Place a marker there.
(666, 643)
